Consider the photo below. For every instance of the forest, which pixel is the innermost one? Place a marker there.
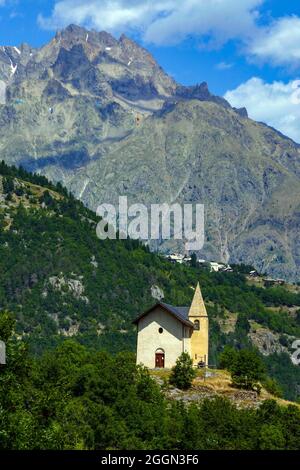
(72, 398)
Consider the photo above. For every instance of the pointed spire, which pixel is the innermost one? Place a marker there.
(197, 307)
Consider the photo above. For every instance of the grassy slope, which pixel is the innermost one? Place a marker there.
(218, 384)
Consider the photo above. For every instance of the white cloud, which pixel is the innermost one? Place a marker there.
(203, 17)
(160, 21)
(279, 43)
(224, 66)
(277, 104)
(109, 15)
(164, 22)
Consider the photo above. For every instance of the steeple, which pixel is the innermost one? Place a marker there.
(200, 334)
(197, 308)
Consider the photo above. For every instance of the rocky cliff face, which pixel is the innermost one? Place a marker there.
(100, 115)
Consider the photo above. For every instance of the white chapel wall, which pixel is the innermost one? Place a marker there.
(149, 338)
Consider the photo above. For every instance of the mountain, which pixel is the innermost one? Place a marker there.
(60, 281)
(101, 116)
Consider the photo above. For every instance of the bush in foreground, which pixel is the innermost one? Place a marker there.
(183, 373)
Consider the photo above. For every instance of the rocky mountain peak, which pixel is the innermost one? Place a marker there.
(100, 115)
(135, 52)
(73, 29)
(68, 61)
(74, 34)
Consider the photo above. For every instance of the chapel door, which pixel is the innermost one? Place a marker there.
(160, 360)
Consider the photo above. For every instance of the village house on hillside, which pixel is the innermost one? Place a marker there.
(165, 331)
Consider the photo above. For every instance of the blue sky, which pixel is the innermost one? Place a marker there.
(247, 50)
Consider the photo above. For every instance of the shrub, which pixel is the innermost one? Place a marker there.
(227, 358)
(271, 437)
(7, 324)
(242, 325)
(272, 386)
(183, 372)
(47, 199)
(246, 368)
(8, 185)
(283, 340)
(19, 192)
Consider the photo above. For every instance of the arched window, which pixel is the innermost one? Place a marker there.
(196, 325)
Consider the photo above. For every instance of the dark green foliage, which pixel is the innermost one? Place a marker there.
(47, 199)
(183, 372)
(280, 367)
(277, 296)
(246, 367)
(227, 358)
(19, 192)
(10, 172)
(284, 340)
(75, 398)
(8, 185)
(242, 268)
(194, 261)
(272, 386)
(7, 324)
(271, 438)
(242, 326)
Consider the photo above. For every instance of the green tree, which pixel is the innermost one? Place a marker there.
(8, 185)
(247, 370)
(246, 367)
(47, 199)
(194, 261)
(273, 387)
(183, 372)
(228, 358)
(271, 437)
(242, 326)
(7, 323)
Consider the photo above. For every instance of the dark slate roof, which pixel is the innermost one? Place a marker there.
(181, 313)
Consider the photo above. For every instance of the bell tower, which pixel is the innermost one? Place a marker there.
(199, 339)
